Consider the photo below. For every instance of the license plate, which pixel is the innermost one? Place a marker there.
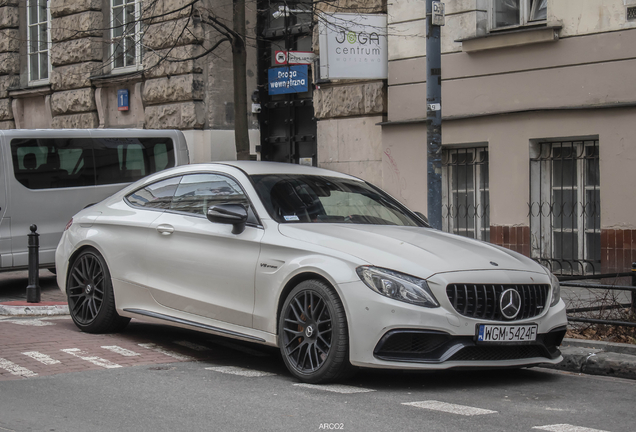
(507, 333)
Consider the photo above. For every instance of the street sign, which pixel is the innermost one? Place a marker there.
(294, 57)
(122, 100)
(290, 79)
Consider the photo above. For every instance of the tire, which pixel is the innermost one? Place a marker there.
(89, 290)
(314, 346)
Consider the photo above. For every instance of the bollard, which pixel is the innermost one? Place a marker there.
(33, 290)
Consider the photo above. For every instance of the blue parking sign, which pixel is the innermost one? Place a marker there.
(289, 79)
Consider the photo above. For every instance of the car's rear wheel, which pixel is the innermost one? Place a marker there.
(91, 301)
(313, 334)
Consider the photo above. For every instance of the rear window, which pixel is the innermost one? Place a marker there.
(70, 162)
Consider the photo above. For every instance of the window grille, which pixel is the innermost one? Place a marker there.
(465, 192)
(126, 34)
(38, 41)
(565, 207)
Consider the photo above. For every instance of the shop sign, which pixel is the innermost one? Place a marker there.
(353, 46)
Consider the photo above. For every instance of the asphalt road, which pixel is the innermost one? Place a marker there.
(157, 378)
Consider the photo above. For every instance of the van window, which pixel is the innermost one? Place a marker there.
(71, 162)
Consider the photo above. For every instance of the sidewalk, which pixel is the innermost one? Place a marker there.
(579, 356)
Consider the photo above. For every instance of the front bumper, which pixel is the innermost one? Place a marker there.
(386, 333)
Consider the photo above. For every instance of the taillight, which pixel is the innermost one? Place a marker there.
(68, 225)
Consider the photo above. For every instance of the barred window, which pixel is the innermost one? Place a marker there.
(510, 13)
(565, 206)
(38, 41)
(126, 34)
(465, 195)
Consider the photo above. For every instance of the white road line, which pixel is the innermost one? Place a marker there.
(167, 352)
(450, 408)
(233, 370)
(336, 388)
(566, 428)
(98, 361)
(14, 369)
(119, 350)
(240, 348)
(192, 345)
(30, 322)
(42, 358)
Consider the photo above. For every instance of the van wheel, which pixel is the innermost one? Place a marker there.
(313, 334)
(89, 289)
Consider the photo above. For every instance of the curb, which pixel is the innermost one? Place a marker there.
(23, 310)
(598, 358)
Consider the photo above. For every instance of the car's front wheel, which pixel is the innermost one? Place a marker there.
(91, 301)
(313, 334)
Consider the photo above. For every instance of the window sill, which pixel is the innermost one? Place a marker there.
(511, 38)
(41, 90)
(116, 78)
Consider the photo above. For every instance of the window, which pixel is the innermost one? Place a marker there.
(565, 206)
(71, 162)
(38, 41)
(156, 195)
(126, 34)
(511, 13)
(465, 193)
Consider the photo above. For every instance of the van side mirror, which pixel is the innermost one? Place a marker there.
(234, 214)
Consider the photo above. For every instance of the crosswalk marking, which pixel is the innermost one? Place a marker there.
(234, 370)
(122, 351)
(566, 428)
(98, 361)
(14, 369)
(42, 358)
(164, 351)
(450, 408)
(336, 388)
(192, 345)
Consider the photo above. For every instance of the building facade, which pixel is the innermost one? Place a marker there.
(151, 64)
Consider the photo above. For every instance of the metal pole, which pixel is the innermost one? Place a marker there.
(33, 290)
(434, 116)
(634, 284)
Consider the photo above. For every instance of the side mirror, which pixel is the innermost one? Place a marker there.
(234, 214)
(421, 216)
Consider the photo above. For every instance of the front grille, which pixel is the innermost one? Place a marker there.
(482, 300)
(494, 353)
(405, 343)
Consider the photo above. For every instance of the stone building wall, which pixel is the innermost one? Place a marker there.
(9, 59)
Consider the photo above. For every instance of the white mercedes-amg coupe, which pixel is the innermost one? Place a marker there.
(325, 266)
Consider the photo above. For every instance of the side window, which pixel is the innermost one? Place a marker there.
(157, 195)
(198, 192)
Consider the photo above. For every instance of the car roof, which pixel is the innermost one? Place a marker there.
(264, 168)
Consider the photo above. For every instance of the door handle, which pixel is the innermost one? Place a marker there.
(165, 229)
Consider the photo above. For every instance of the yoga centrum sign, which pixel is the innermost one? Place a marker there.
(353, 46)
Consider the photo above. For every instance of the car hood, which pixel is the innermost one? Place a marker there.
(421, 252)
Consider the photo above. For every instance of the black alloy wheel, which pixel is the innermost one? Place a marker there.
(313, 333)
(90, 295)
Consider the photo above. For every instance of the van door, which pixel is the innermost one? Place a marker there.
(5, 223)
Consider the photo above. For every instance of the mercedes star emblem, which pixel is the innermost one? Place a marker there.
(510, 303)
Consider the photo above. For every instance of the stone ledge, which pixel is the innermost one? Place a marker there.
(76, 121)
(61, 8)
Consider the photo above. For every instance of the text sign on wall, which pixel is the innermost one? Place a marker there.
(290, 79)
(353, 46)
(122, 100)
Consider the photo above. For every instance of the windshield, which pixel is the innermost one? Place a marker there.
(316, 199)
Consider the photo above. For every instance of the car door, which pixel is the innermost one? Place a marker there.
(200, 267)
(5, 227)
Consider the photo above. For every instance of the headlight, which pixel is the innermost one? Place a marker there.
(556, 287)
(398, 286)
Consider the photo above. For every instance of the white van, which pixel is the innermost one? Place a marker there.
(46, 176)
